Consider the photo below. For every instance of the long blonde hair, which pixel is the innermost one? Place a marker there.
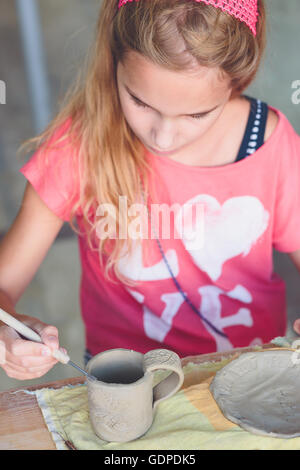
(111, 157)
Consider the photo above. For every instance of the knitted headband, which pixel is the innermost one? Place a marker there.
(244, 10)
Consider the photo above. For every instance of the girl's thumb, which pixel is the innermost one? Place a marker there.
(49, 336)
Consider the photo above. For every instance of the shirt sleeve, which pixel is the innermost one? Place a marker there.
(286, 233)
(54, 174)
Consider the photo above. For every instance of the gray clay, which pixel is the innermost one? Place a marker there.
(260, 391)
(122, 400)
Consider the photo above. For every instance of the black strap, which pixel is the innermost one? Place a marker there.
(255, 130)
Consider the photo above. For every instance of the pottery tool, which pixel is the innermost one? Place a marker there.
(28, 333)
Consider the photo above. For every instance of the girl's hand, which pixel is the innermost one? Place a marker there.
(23, 359)
(296, 326)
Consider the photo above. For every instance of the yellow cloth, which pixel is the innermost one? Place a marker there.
(190, 420)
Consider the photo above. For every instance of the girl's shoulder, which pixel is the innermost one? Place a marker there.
(54, 171)
(272, 118)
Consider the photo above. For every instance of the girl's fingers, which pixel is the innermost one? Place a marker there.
(20, 347)
(28, 367)
(49, 335)
(24, 359)
(297, 326)
(24, 375)
(29, 361)
(29, 371)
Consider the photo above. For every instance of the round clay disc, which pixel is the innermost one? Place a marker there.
(260, 391)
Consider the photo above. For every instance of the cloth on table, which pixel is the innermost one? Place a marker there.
(189, 420)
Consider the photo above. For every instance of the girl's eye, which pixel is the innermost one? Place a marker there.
(139, 103)
(198, 116)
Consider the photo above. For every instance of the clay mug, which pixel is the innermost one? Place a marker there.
(122, 401)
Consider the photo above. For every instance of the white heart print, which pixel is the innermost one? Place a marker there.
(229, 230)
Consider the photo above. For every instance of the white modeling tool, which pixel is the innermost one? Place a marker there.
(33, 336)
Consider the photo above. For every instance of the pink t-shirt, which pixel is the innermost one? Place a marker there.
(249, 206)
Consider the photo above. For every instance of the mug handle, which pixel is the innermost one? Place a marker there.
(158, 359)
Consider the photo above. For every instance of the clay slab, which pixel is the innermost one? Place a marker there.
(260, 391)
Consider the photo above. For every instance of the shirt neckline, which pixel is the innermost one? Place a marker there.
(230, 166)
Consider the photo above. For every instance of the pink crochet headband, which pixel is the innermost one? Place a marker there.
(244, 10)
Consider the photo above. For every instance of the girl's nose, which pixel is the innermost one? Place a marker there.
(164, 135)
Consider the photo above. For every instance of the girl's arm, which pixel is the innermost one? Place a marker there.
(295, 257)
(22, 251)
(26, 243)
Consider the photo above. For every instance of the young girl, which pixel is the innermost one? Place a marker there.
(160, 121)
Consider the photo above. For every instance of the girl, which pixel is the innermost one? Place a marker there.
(160, 121)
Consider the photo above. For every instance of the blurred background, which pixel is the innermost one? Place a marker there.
(37, 69)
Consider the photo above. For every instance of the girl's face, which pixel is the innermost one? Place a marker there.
(170, 112)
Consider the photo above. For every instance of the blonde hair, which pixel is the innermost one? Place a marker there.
(111, 157)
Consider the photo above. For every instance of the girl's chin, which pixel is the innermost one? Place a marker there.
(163, 154)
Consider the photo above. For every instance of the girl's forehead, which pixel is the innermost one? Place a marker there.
(150, 82)
(135, 63)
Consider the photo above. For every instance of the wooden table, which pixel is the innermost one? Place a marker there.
(22, 426)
